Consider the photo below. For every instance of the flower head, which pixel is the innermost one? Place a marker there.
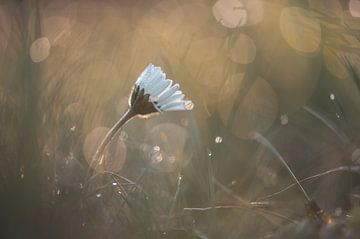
(154, 93)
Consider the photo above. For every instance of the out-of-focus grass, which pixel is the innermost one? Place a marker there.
(288, 70)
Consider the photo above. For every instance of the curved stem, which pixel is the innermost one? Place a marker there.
(130, 113)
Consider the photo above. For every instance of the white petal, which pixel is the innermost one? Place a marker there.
(164, 95)
(156, 75)
(166, 84)
(177, 96)
(144, 76)
(169, 92)
(174, 106)
(158, 81)
(149, 80)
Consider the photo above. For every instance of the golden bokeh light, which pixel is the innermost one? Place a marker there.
(114, 157)
(354, 7)
(230, 13)
(243, 51)
(168, 145)
(262, 80)
(40, 49)
(300, 30)
(257, 111)
(298, 80)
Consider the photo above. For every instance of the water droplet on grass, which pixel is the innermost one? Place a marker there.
(218, 140)
(209, 153)
(156, 156)
(332, 96)
(284, 120)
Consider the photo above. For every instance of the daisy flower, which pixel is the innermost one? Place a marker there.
(152, 93)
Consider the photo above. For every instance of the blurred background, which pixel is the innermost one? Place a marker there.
(270, 80)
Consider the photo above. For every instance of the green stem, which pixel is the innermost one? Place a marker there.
(130, 113)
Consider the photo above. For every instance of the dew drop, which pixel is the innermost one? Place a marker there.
(189, 105)
(332, 96)
(156, 156)
(72, 129)
(209, 152)
(22, 175)
(114, 183)
(98, 195)
(284, 119)
(218, 140)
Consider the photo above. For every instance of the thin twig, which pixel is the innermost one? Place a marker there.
(261, 139)
(331, 125)
(257, 207)
(355, 169)
(202, 209)
(173, 204)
